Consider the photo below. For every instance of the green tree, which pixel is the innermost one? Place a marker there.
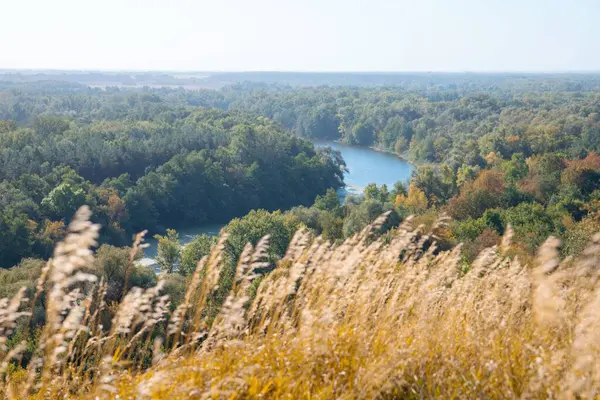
(362, 134)
(466, 173)
(63, 201)
(332, 226)
(50, 125)
(399, 189)
(169, 251)
(330, 201)
(310, 217)
(515, 169)
(372, 192)
(258, 223)
(194, 251)
(15, 238)
(112, 263)
(438, 184)
(532, 224)
(361, 215)
(175, 287)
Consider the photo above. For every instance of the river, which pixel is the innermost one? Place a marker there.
(364, 166)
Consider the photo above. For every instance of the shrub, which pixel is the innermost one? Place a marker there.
(532, 224)
(486, 239)
(194, 251)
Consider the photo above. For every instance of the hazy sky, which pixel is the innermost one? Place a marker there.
(302, 35)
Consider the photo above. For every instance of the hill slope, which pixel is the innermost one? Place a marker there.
(387, 317)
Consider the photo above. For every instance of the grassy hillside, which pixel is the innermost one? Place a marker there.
(379, 316)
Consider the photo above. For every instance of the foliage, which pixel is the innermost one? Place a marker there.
(415, 201)
(63, 200)
(113, 265)
(169, 251)
(343, 321)
(484, 240)
(257, 223)
(193, 252)
(531, 222)
(330, 201)
(142, 160)
(332, 227)
(578, 235)
(155, 158)
(515, 169)
(360, 215)
(23, 275)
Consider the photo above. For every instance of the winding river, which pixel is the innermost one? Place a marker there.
(364, 166)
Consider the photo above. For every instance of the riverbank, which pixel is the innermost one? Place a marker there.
(365, 165)
(404, 157)
(370, 165)
(386, 151)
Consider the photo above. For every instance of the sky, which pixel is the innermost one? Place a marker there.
(301, 35)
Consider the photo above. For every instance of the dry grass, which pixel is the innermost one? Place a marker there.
(391, 318)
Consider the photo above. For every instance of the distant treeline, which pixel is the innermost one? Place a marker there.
(406, 80)
(458, 121)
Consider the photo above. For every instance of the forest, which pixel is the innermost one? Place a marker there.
(502, 163)
(491, 150)
(144, 163)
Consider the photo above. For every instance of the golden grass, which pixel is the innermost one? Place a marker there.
(365, 319)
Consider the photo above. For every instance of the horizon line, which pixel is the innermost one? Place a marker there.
(226, 71)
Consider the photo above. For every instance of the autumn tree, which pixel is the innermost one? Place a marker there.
(415, 201)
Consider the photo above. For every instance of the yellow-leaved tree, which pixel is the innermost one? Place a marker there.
(415, 201)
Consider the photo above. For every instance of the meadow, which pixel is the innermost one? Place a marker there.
(381, 315)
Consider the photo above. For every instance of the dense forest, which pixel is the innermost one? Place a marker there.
(492, 150)
(502, 163)
(453, 126)
(456, 121)
(140, 162)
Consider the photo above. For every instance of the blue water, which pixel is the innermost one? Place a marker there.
(364, 166)
(367, 166)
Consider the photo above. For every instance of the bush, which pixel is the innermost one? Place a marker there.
(469, 229)
(359, 216)
(531, 223)
(112, 264)
(194, 251)
(487, 238)
(579, 235)
(258, 223)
